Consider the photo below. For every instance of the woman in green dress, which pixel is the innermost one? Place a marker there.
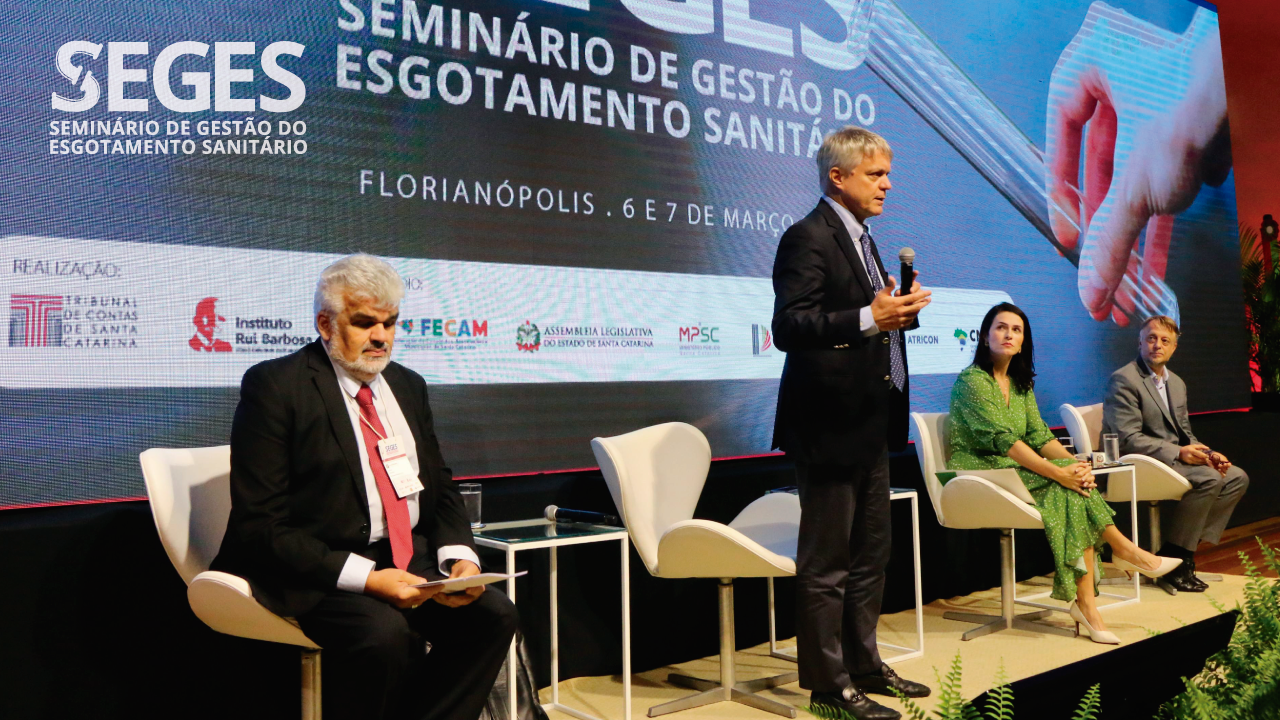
(995, 423)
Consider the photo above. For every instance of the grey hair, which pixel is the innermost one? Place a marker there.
(845, 149)
(361, 276)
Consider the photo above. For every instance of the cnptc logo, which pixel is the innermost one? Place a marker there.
(528, 337)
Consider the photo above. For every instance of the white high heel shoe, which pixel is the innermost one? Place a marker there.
(1167, 565)
(1104, 637)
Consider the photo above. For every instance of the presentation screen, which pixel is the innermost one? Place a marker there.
(584, 199)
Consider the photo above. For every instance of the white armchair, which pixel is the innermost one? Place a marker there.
(655, 476)
(970, 502)
(190, 497)
(1155, 481)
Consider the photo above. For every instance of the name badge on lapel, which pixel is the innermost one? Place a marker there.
(396, 461)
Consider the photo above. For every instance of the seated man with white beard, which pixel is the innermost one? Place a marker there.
(324, 536)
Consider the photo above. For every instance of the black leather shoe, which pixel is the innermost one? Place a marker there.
(1191, 574)
(1184, 579)
(855, 703)
(887, 681)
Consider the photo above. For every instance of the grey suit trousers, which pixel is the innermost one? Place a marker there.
(1202, 513)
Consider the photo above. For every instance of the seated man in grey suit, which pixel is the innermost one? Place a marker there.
(1146, 406)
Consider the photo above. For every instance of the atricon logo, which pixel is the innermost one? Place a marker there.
(35, 320)
(528, 337)
(761, 339)
(226, 78)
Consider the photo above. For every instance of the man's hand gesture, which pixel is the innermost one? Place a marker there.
(891, 312)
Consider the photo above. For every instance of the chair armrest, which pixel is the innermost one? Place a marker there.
(970, 502)
(225, 603)
(1155, 480)
(701, 548)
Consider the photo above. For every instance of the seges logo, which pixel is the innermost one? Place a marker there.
(528, 337)
(35, 320)
(133, 71)
(761, 339)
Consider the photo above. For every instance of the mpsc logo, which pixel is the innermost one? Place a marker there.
(699, 341)
(696, 334)
(126, 73)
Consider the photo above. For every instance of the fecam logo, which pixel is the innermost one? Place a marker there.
(206, 321)
(35, 320)
(227, 77)
(528, 338)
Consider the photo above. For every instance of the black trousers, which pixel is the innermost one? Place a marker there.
(843, 551)
(374, 662)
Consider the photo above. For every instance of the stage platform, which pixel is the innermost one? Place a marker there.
(1023, 654)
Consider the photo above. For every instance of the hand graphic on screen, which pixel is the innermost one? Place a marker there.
(1152, 129)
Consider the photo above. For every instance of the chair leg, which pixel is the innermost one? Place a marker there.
(310, 684)
(1007, 620)
(728, 689)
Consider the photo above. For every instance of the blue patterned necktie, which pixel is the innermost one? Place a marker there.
(897, 372)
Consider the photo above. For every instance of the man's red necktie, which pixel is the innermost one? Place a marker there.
(395, 508)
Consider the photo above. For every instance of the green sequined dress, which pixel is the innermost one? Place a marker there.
(983, 428)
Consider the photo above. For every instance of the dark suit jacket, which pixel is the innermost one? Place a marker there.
(834, 403)
(298, 502)
(1133, 411)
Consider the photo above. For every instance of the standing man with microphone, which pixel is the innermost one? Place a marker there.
(842, 405)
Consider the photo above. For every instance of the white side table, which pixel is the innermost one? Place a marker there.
(1118, 472)
(512, 537)
(906, 652)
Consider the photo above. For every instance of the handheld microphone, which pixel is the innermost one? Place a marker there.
(559, 514)
(907, 257)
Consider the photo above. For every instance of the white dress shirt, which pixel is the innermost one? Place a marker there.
(1162, 384)
(357, 568)
(865, 320)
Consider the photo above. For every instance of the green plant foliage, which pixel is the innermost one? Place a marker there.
(1241, 682)
(1090, 705)
(1262, 299)
(1000, 700)
(952, 706)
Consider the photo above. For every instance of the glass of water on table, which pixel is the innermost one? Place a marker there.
(471, 496)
